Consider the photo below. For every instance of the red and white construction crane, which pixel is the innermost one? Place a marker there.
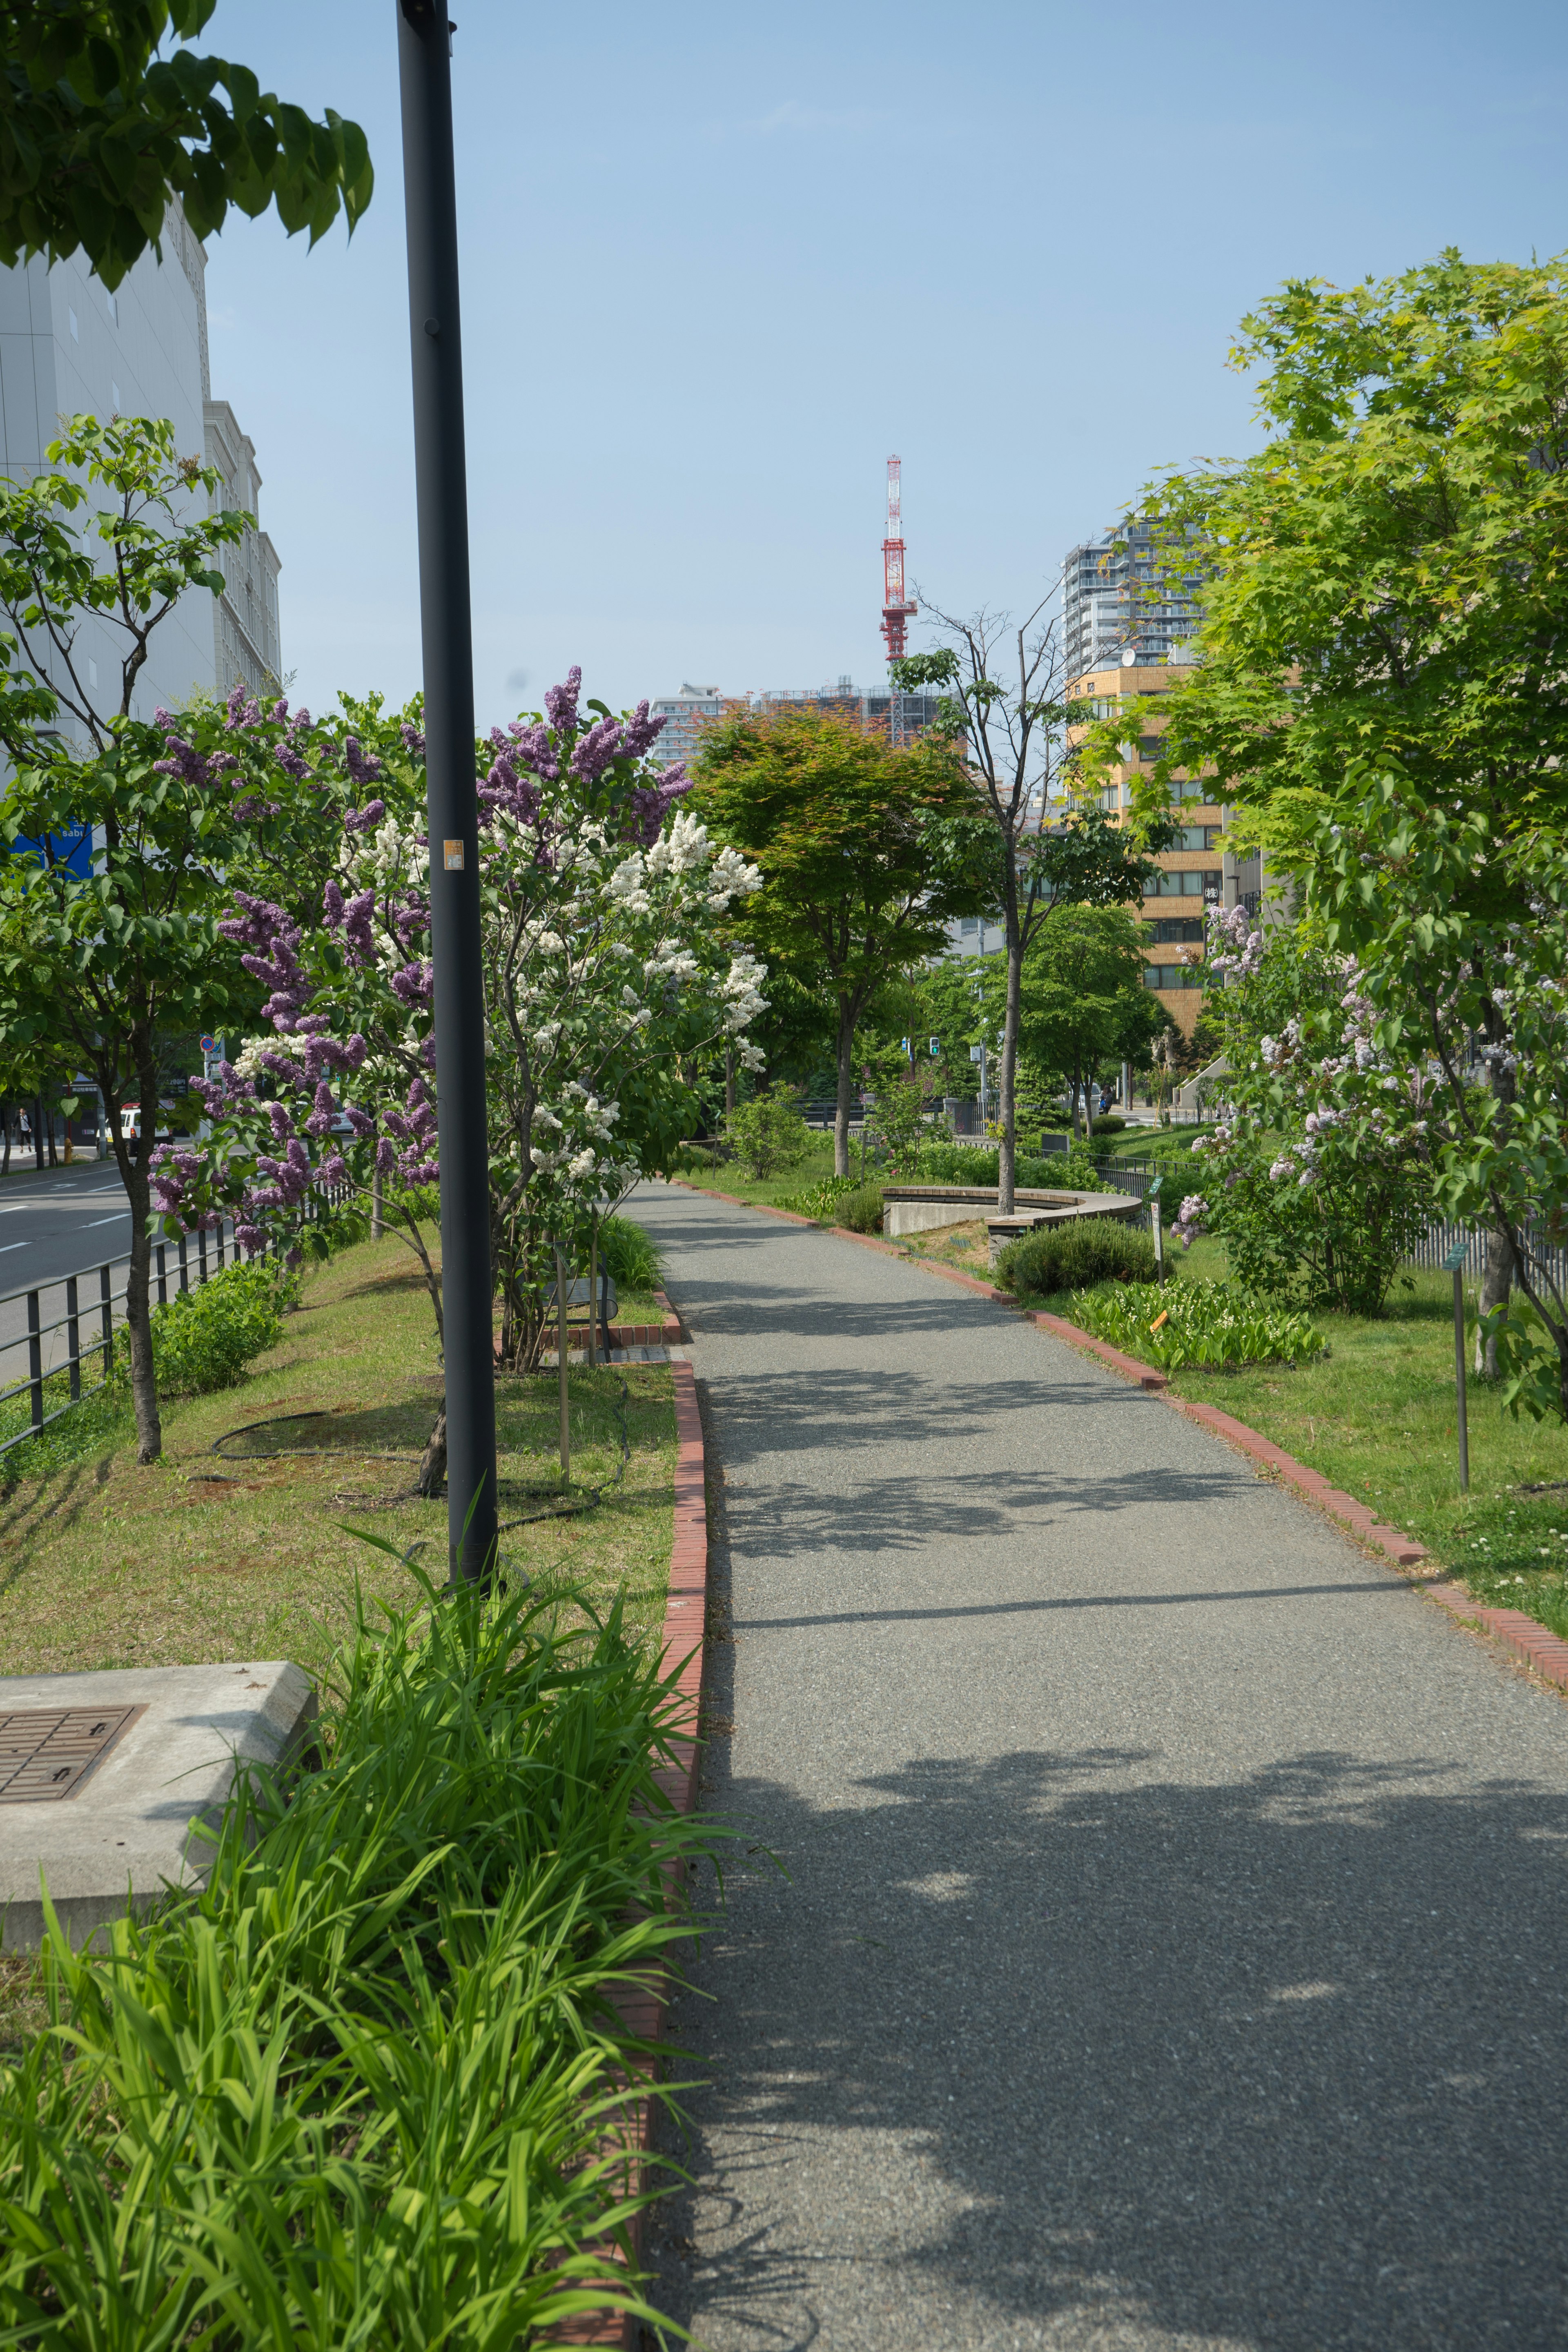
(895, 607)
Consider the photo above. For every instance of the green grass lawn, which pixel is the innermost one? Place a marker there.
(247, 1551)
(1377, 1417)
(764, 1191)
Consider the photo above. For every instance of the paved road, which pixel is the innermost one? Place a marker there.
(63, 1221)
(1172, 1953)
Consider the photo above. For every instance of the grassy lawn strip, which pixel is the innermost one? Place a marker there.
(1378, 1418)
(104, 1564)
(368, 2086)
(764, 1191)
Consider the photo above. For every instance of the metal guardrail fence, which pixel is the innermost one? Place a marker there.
(1433, 1248)
(188, 1263)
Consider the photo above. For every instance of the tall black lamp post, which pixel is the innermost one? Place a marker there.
(425, 72)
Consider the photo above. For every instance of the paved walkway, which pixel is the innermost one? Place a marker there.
(1172, 1951)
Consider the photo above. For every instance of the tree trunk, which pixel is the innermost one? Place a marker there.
(1502, 1269)
(1496, 1283)
(5, 1121)
(38, 1132)
(432, 1461)
(728, 1079)
(1007, 1152)
(376, 1227)
(139, 1328)
(845, 1078)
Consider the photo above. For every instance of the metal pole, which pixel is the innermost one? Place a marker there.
(425, 74)
(1460, 1377)
(592, 1287)
(560, 1360)
(73, 1337)
(35, 1359)
(106, 1312)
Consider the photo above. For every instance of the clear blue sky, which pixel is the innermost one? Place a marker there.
(718, 262)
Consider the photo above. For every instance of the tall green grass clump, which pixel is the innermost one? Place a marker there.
(1076, 1256)
(367, 2088)
(629, 1255)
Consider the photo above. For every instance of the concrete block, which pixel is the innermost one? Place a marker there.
(131, 1828)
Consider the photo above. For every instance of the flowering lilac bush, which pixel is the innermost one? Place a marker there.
(1318, 1175)
(1459, 919)
(600, 898)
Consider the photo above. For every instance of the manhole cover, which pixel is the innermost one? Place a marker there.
(48, 1751)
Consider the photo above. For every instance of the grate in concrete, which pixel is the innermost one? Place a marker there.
(46, 1752)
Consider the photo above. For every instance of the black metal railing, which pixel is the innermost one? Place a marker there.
(174, 1262)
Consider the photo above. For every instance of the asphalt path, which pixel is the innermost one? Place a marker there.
(1145, 1927)
(55, 1223)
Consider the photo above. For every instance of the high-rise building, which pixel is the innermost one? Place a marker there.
(687, 713)
(68, 345)
(1120, 603)
(1193, 872)
(245, 617)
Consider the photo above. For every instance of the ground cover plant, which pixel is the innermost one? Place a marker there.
(1076, 1255)
(821, 1200)
(1206, 1323)
(105, 1564)
(368, 2087)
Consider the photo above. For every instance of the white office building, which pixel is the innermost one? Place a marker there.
(68, 345)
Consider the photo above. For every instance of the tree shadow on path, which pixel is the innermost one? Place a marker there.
(1277, 2062)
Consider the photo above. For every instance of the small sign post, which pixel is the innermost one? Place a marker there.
(1152, 1197)
(1455, 1263)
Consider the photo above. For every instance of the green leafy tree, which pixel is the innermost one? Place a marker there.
(1385, 587)
(1013, 730)
(97, 969)
(99, 132)
(1461, 944)
(866, 850)
(1082, 1005)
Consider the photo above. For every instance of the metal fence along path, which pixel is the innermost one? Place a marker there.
(61, 1329)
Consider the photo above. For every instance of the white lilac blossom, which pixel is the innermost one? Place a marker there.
(598, 893)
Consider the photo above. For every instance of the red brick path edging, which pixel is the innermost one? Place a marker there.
(643, 2011)
(1527, 1640)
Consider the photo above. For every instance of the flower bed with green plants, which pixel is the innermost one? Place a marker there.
(369, 2086)
(1199, 1323)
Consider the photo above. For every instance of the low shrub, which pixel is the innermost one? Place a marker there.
(766, 1135)
(1076, 1256)
(629, 1255)
(1199, 1323)
(1109, 1123)
(366, 2088)
(860, 1211)
(820, 1201)
(955, 1163)
(203, 1338)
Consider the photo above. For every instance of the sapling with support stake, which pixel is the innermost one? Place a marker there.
(1455, 1263)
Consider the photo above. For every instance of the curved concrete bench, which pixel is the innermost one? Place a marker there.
(919, 1208)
